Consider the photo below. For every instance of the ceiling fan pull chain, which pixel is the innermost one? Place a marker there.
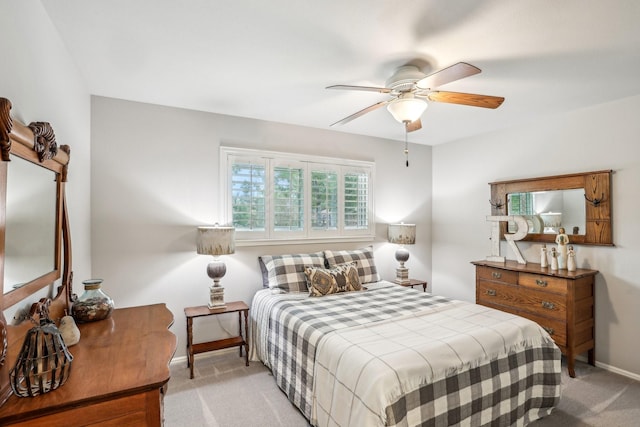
(406, 143)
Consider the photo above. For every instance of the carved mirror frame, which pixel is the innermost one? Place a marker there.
(597, 202)
(34, 143)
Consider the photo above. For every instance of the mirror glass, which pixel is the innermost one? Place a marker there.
(547, 211)
(30, 223)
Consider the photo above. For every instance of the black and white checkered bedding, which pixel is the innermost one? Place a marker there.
(288, 333)
(456, 364)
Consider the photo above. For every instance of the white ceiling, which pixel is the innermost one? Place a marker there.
(272, 59)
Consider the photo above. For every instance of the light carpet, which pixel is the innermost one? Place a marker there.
(226, 393)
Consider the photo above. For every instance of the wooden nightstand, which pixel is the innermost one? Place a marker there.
(239, 341)
(415, 282)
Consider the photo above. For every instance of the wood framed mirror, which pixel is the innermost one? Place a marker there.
(580, 203)
(35, 245)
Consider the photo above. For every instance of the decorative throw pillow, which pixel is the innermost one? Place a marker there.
(362, 257)
(342, 278)
(285, 273)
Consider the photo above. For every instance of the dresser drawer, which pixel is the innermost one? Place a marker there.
(541, 282)
(529, 300)
(557, 329)
(498, 275)
(497, 293)
(542, 303)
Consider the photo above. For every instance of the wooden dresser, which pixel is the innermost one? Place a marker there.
(560, 301)
(118, 376)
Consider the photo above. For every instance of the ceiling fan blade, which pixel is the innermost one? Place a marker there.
(361, 113)
(363, 88)
(447, 75)
(471, 99)
(413, 126)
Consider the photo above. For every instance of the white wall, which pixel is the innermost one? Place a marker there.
(598, 138)
(154, 178)
(155, 173)
(38, 76)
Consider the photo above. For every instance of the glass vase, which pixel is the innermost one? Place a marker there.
(93, 304)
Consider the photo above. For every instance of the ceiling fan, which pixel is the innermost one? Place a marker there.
(410, 89)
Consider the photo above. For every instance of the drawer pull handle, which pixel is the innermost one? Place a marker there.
(491, 292)
(542, 283)
(496, 275)
(550, 331)
(548, 305)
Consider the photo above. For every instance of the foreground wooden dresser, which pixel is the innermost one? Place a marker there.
(560, 301)
(118, 375)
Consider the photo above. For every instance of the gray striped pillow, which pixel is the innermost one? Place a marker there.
(285, 273)
(364, 261)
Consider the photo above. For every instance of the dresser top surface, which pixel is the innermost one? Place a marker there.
(536, 269)
(124, 354)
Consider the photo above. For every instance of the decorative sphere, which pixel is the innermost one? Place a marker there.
(216, 269)
(402, 255)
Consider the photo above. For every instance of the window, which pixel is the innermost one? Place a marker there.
(288, 198)
(521, 204)
(356, 200)
(248, 194)
(324, 199)
(279, 196)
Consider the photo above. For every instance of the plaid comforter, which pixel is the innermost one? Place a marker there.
(300, 338)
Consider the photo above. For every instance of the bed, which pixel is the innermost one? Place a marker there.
(394, 356)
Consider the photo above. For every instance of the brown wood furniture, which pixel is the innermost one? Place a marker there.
(118, 376)
(37, 145)
(560, 301)
(120, 367)
(416, 282)
(597, 203)
(237, 341)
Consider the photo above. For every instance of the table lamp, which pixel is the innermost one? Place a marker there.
(402, 234)
(216, 240)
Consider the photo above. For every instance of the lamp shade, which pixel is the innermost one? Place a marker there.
(216, 240)
(407, 109)
(402, 234)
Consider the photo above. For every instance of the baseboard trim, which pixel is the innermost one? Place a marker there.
(619, 371)
(613, 369)
(180, 359)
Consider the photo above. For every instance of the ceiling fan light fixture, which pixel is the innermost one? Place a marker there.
(410, 89)
(407, 109)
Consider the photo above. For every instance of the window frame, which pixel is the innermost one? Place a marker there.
(356, 171)
(270, 195)
(272, 159)
(226, 180)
